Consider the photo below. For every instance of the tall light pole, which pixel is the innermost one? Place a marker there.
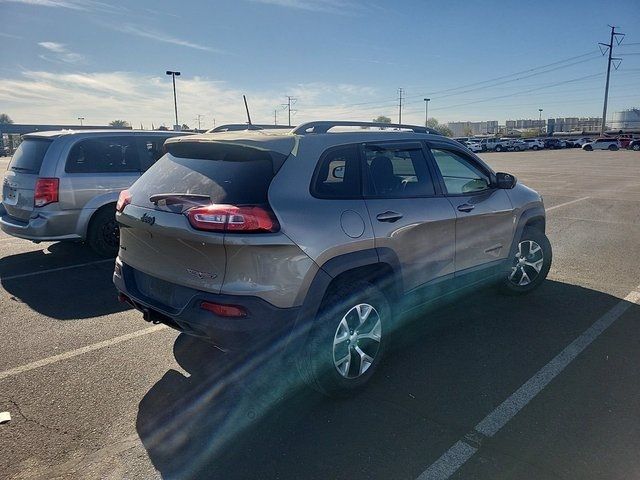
(81, 119)
(426, 111)
(540, 120)
(175, 100)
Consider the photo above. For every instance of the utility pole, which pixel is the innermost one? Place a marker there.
(540, 120)
(198, 118)
(81, 119)
(426, 111)
(400, 92)
(175, 99)
(290, 101)
(275, 117)
(609, 46)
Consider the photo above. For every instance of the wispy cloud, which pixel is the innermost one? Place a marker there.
(81, 5)
(9, 35)
(102, 97)
(160, 37)
(60, 53)
(326, 6)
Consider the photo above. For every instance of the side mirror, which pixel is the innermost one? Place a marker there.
(505, 180)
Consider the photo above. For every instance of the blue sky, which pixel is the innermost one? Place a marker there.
(341, 59)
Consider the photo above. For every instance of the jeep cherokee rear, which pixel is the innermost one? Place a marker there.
(320, 238)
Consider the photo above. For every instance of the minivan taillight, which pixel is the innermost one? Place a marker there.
(124, 199)
(46, 191)
(231, 218)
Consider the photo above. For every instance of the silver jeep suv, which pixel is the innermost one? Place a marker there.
(63, 185)
(320, 237)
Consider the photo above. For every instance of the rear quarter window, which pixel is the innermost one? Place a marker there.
(29, 156)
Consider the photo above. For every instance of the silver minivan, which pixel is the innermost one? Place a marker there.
(64, 185)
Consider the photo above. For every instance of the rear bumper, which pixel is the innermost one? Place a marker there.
(46, 226)
(263, 324)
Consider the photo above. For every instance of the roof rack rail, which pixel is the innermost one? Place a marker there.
(325, 126)
(235, 127)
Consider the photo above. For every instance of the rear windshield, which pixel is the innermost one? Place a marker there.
(231, 177)
(28, 157)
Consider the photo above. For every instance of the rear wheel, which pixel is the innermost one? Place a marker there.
(103, 235)
(613, 148)
(636, 147)
(530, 263)
(498, 148)
(588, 148)
(347, 341)
(535, 147)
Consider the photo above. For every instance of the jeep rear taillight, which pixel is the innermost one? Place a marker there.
(231, 218)
(46, 191)
(124, 199)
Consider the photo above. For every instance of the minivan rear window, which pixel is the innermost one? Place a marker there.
(228, 177)
(29, 155)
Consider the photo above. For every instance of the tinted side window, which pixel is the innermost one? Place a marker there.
(104, 155)
(460, 175)
(338, 174)
(396, 172)
(152, 150)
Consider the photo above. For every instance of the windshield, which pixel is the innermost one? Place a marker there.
(29, 155)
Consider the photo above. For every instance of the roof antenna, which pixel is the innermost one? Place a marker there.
(247, 109)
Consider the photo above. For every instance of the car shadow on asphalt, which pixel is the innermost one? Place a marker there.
(65, 294)
(249, 417)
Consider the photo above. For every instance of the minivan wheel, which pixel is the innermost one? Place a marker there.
(104, 235)
(347, 341)
(530, 263)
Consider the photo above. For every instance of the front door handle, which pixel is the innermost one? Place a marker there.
(389, 216)
(466, 207)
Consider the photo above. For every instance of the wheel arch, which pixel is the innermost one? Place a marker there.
(93, 215)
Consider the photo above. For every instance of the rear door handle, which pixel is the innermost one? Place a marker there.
(466, 207)
(389, 216)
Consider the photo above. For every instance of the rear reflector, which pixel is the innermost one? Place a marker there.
(224, 310)
(231, 218)
(124, 199)
(46, 191)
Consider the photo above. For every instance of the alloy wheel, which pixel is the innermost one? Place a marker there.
(357, 341)
(527, 263)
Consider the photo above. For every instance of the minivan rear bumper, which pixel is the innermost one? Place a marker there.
(263, 324)
(46, 226)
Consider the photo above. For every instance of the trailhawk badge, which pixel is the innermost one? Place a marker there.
(201, 275)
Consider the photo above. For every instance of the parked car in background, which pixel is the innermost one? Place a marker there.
(602, 144)
(582, 140)
(518, 145)
(534, 143)
(634, 144)
(554, 143)
(63, 185)
(495, 144)
(625, 140)
(475, 147)
(321, 239)
(570, 143)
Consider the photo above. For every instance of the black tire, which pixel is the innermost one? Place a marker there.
(498, 148)
(103, 235)
(588, 148)
(636, 147)
(613, 148)
(510, 286)
(535, 147)
(316, 358)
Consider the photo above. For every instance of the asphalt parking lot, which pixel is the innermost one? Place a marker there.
(537, 387)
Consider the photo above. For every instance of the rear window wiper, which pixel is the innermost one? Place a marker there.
(178, 198)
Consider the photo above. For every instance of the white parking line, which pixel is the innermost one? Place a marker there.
(464, 449)
(31, 274)
(79, 351)
(566, 203)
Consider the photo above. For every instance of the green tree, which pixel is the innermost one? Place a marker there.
(4, 118)
(382, 119)
(443, 129)
(120, 124)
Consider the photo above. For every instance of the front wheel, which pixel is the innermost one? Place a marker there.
(498, 148)
(636, 147)
(535, 147)
(587, 148)
(613, 148)
(530, 263)
(347, 341)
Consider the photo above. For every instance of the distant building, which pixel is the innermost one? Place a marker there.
(524, 124)
(574, 124)
(626, 120)
(465, 129)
